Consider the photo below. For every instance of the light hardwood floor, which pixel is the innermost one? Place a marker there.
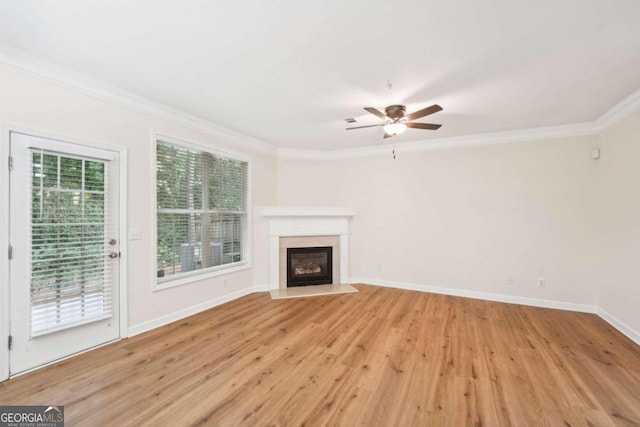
(381, 356)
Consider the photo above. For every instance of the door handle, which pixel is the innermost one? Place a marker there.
(114, 254)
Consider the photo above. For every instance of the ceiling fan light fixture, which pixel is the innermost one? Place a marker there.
(395, 128)
(395, 121)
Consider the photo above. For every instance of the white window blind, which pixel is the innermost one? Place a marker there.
(201, 211)
(70, 282)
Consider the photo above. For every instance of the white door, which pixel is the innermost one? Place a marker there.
(63, 214)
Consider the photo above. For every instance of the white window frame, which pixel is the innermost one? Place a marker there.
(199, 275)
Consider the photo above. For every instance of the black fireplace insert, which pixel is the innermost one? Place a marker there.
(309, 266)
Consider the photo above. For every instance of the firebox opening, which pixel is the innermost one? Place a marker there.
(309, 266)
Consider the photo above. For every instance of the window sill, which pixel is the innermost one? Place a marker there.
(197, 277)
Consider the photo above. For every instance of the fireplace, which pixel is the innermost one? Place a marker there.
(309, 266)
(293, 227)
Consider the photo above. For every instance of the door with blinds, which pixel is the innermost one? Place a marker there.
(64, 249)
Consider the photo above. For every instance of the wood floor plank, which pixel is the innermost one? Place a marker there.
(381, 356)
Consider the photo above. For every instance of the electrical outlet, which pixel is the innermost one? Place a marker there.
(511, 281)
(379, 267)
(224, 283)
(541, 283)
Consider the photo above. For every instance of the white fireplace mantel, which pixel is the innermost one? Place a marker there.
(298, 221)
(283, 212)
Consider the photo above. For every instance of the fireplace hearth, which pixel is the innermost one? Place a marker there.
(309, 266)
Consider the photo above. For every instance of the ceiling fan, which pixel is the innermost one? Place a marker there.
(396, 122)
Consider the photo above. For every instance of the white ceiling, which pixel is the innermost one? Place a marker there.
(288, 72)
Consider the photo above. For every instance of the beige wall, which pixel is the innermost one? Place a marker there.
(619, 188)
(461, 218)
(38, 105)
(466, 218)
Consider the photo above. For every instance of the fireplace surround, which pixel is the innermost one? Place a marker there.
(307, 227)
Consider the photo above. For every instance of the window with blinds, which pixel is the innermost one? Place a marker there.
(201, 211)
(70, 282)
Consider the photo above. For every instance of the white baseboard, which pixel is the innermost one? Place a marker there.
(189, 311)
(625, 329)
(562, 305)
(535, 302)
(260, 288)
(622, 327)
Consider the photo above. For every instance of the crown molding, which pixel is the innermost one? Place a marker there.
(24, 62)
(618, 112)
(504, 137)
(32, 65)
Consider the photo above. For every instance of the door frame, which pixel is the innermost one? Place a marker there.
(5, 327)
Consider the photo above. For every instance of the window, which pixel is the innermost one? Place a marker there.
(201, 211)
(70, 280)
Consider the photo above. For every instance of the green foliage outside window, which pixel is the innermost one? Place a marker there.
(201, 209)
(67, 232)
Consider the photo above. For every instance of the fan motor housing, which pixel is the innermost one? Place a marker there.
(395, 112)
